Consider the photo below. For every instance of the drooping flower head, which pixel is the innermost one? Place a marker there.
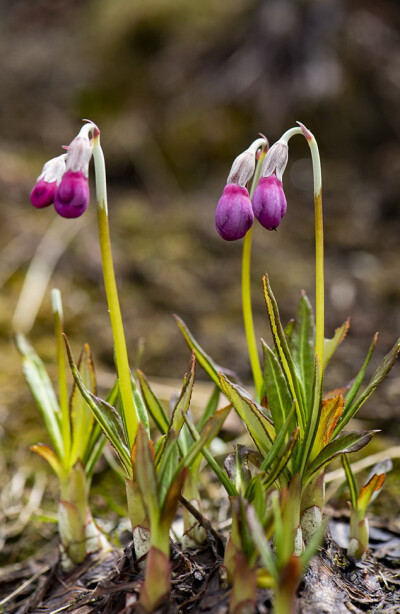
(64, 180)
(43, 192)
(234, 214)
(71, 198)
(269, 201)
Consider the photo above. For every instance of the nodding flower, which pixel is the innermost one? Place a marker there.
(269, 200)
(64, 180)
(234, 214)
(43, 192)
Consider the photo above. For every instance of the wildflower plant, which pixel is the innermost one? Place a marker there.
(276, 490)
(76, 441)
(296, 427)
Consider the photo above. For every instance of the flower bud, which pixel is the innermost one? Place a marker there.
(269, 202)
(242, 168)
(234, 214)
(71, 198)
(276, 159)
(42, 194)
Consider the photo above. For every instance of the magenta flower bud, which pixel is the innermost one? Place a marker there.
(42, 194)
(234, 214)
(71, 198)
(269, 202)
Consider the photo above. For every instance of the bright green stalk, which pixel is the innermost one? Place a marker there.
(246, 284)
(62, 377)
(120, 350)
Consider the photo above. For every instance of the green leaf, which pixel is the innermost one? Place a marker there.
(140, 407)
(279, 442)
(330, 345)
(211, 407)
(143, 466)
(259, 427)
(204, 360)
(42, 391)
(278, 396)
(355, 387)
(154, 406)
(106, 415)
(343, 444)
(236, 466)
(182, 404)
(281, 461)
(350, 409)
(167, 463)
(82, 420)
(302, 345)
(351, 481)
(284, 355)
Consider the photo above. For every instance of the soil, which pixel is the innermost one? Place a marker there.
(110, 583)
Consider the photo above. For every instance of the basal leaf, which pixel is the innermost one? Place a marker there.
(49, 456)
(276, 389)
(343, 444)
(143, 465)
(281, 461)
(351, 481)
(82, 419)
(204, 360)
(331, 410)
(330, 345)
(211, 407)
(284, 356)
(171, 500)
(182, 404)
(106, 415)
(351, 408)
(302, 344)
(42, 391)
(154, 406)
(279, 442)
(236, 466)
(260, 429)
(367, 492)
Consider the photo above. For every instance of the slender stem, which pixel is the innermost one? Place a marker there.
(62, 376)
(121, 355)
(246, 288)
(319, 240)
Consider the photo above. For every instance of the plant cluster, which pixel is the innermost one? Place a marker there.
(276, 487)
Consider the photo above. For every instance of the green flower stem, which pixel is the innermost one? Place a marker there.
(319, 240)
(62, 377)
(120, 350)
(246, 283)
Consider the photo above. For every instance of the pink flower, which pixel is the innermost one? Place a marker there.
(269, 202)
(43, 192)
(72, 195)
(234, 214)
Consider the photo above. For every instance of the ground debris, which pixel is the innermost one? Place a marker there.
(110, 583)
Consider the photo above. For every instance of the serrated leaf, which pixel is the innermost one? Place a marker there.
(260, 429)
(154, 406)
(276, 389)
(331, 410)
(284, 355)
(106, 415)
(350, 409)
(343, 444)
(279, 442)
(82, 419)
(302, 344)
(330, 345)
(183, 402)
(204, 360)
(42, 391)
(281, 461)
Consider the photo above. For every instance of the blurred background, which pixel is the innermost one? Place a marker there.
(178, 89)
